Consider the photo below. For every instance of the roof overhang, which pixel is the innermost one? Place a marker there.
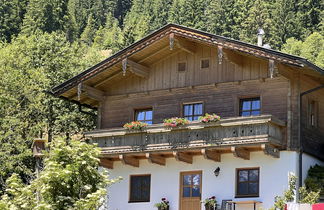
(160, 41)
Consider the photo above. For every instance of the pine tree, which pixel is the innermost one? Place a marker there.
(89, 32)
(110, 36)
(258, 17)
(47, 16)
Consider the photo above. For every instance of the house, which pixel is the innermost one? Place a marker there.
(272, 119)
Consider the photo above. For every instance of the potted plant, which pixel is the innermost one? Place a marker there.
(135, 125)
(163, 205)
(210, 203)
(175, 122)
(207, 118)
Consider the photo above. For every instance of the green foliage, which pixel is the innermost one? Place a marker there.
(315, 179)
(305, 196)
(312, 48)
(29, 66)
(69, 180)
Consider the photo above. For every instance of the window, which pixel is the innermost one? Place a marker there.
(192, 111)
(182, 66)
(247, 183)
(144, 115)
(250, 106)
(312, 110)
(140, 187)
(204, 63)
(191, 184)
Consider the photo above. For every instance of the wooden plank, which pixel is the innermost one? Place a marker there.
(241, 153)
(186, 45)
(107, 163)
(154, 158)
(108, 78)
(138, 69)
(181, 156)
(211, 155)
(233, 57)
(93, 93)
(128, 160)
(270, 150)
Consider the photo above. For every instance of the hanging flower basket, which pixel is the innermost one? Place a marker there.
(175, 122)
(207, 118)
(135, 125)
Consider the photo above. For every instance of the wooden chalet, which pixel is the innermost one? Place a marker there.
(272, 119)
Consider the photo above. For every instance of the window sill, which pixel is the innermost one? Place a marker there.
(247, 196)
(138, 201)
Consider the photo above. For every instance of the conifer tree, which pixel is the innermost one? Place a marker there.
(89, 32)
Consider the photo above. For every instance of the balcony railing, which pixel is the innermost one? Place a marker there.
(238, 131)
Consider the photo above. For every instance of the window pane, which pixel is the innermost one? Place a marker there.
(243, 175)
(187, 180)
(140, 188)
(253, 175)
(149, 122)
(246, 113)
(196, 179)
(189, 118)
(186, 192)
(149, 115)
(246, 105)
(242, 188)
(195, 118)
(253, 188)
(256, 104)
(188, 110)
(255, 113)
(195, 191)
(140, 115)
(198, 109)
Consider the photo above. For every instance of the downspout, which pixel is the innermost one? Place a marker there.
(301, 149)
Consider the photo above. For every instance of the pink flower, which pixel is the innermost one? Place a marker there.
(163, 199)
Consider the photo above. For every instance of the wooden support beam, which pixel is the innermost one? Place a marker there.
(211, 155)
(186, 45)
(154, 158)
(93, 93)
(108, 79)
(241, 153)
(155, 53)
(128, 160)
(180, 156)
(270, 150)
(138, 69)
(107, 163)
(233, 57)
(171, 41)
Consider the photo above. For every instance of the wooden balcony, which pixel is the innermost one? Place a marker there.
(238, 135)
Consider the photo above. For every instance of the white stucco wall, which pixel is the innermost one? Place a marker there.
(165, 179)
(309, 161)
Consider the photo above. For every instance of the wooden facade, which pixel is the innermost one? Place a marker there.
(175, 66)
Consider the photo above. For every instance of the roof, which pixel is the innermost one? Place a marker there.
(189, 33)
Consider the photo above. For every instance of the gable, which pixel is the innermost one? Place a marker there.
(151, 64)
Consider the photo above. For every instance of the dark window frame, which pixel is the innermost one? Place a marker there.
(193, 110)
(202, 62)
(131, 199)
(237, 183)
(242, 100)
(136, 112)
(179, 65)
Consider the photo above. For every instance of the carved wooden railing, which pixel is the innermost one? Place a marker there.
(226, 132)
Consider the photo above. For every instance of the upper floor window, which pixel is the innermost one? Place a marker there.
(192, 111)
(247, 182)
(312, 113)
(144, 115)
(250, 106)
(140, 187)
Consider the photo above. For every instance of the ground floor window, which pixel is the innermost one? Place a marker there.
(140, 188)
(247, 182)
